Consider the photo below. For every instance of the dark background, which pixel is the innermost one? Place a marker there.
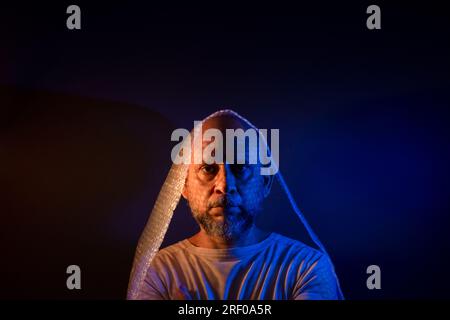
(86, 118)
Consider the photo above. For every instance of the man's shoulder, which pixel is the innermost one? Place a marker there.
(296, 247)
(317, 279)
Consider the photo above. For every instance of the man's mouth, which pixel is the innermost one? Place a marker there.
(222, 210)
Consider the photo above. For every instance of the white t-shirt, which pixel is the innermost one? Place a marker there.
(275, 268)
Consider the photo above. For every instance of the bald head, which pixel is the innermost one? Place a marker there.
(226, 137)
(225, 121)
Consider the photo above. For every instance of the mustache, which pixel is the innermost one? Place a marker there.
(223, 201)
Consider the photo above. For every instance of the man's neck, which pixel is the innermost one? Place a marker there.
(252, 236)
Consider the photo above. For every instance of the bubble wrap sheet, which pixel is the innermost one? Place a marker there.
(156, 227)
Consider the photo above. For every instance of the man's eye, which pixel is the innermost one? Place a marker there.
(209, 169)
(240, 168)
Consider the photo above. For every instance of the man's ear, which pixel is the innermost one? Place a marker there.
(267, 180)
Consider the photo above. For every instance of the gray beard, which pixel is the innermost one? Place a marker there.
(231, 228)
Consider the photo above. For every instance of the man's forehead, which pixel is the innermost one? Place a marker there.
(232, 148)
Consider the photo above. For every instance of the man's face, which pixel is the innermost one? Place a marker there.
(225, 198)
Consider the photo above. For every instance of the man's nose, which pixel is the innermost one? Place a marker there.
(226, 181)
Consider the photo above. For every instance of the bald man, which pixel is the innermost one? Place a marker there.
(230, 258)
